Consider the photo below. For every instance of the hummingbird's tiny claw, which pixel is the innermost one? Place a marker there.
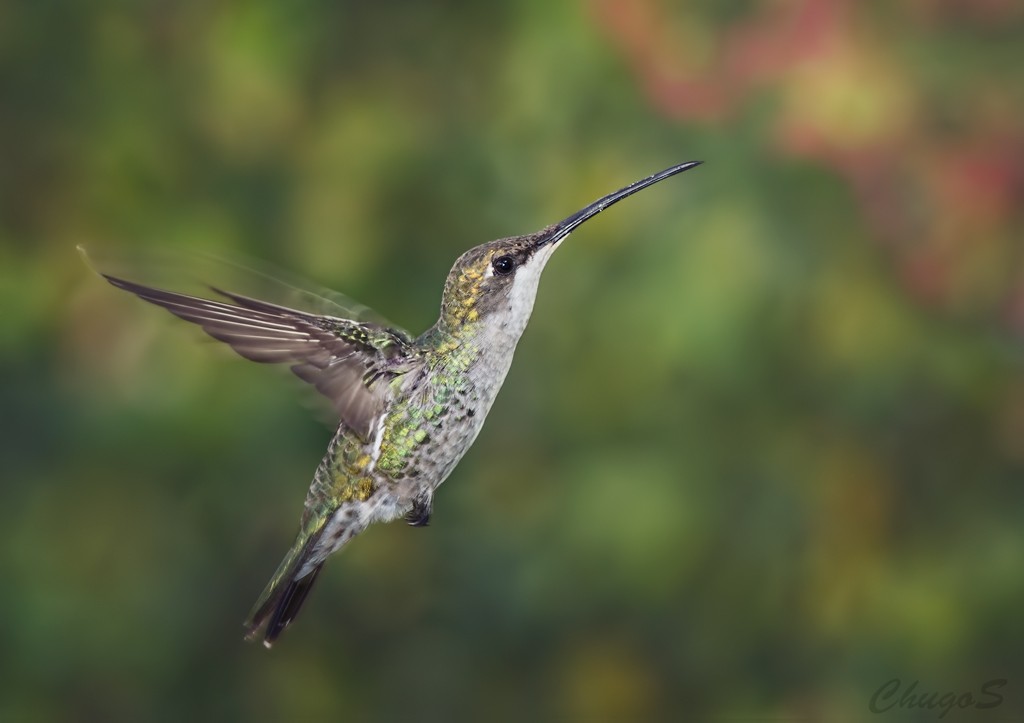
(419, 515)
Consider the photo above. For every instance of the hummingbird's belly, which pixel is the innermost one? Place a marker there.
(421, 443)
(417, 442)
(425, 469)
(443, 445)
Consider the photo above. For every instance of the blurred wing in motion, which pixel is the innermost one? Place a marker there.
(348, 361)
(197, 273)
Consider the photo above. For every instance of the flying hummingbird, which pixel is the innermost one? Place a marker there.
(409, 407)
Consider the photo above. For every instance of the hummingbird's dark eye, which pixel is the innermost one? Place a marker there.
(503, 265)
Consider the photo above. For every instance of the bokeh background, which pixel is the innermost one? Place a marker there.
(762, 447)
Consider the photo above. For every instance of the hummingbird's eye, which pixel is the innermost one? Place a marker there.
(503, 265)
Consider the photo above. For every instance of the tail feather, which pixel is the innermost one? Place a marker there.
(289, 605)
(285, 593)
(288, 588)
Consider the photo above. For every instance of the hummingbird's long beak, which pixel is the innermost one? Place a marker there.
(557, 232)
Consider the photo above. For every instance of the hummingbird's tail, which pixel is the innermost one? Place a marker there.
(327, 525)
(283, 596)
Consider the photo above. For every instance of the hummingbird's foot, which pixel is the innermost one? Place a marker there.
(419, 515)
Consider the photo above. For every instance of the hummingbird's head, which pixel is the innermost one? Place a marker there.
(495, 284)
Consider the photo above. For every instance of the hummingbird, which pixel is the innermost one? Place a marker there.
(408, 407)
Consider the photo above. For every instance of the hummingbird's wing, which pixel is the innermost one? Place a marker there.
(194, 273)
(348, 361)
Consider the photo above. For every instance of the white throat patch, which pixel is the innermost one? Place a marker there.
(524, 286)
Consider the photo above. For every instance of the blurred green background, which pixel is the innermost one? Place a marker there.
(762, 447)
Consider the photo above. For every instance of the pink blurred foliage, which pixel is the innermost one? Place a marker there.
(933, 198)
(755, 51)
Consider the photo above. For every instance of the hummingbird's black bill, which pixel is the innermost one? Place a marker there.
(563, 228)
